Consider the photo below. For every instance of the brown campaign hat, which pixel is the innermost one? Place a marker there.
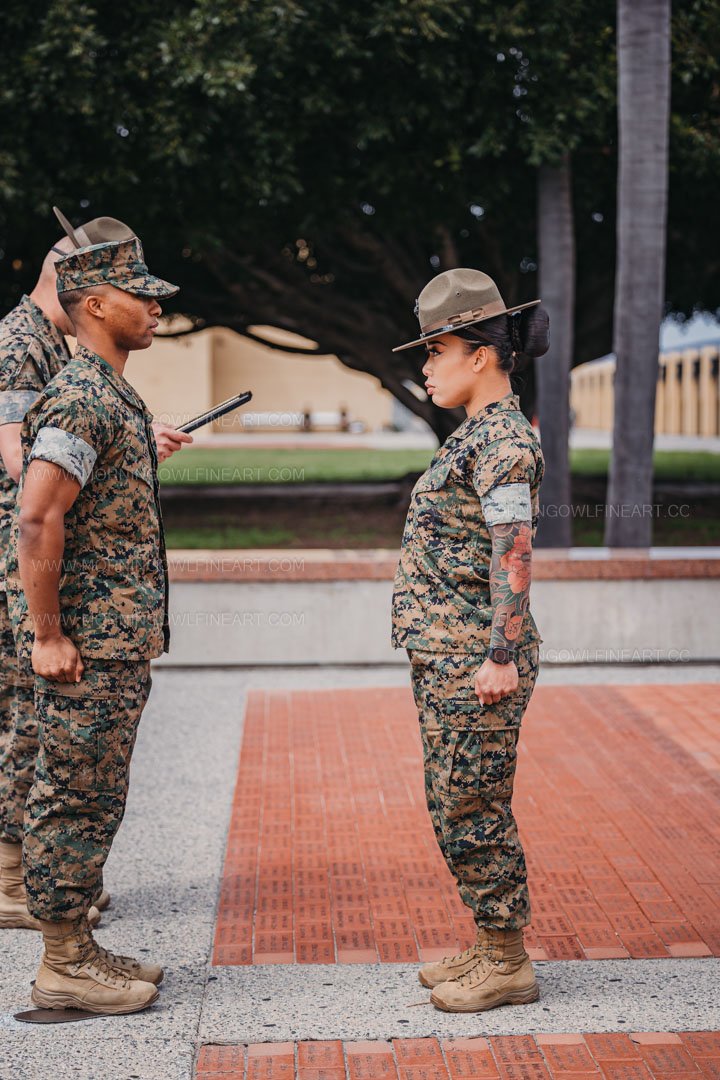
(100, 230)
(457, 298)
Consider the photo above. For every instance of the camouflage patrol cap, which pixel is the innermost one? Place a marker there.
(98, 231)
(120, 263)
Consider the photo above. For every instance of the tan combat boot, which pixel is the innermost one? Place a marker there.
(134, 969)
(73, 975)
(502, 975)
(14, 914)
(102, 902)
(450, 967)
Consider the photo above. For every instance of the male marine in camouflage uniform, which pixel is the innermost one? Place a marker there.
(479, 489)
(32, 350)
(87, 585)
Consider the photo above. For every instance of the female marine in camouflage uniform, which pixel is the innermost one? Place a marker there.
(461, 609)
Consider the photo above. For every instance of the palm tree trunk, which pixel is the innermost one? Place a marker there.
(556, 245)
(643, 112)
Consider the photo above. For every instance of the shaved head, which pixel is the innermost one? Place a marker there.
(65, 245)
(45, 292)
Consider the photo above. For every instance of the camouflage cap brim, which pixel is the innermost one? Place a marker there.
(147, 285)
(115, 262)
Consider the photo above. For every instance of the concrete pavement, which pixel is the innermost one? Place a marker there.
(164, 875)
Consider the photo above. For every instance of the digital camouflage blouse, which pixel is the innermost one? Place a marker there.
(114, 584)
(32, 351)
(488, 471)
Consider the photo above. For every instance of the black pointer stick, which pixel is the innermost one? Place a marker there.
(217, 411)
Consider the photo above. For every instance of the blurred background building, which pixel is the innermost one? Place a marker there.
(179, 377)
(687, 401)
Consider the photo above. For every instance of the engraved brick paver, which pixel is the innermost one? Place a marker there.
(331, 856)
(654, 1055)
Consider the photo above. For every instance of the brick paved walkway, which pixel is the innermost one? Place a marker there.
(331, 856)
(639, 1056)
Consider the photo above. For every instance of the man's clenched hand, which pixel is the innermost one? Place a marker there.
(169, 440)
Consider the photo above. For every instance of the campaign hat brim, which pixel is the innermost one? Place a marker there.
(451, 328)
(67, 227)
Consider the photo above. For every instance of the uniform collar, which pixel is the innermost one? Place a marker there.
(40, 323)
(118, 381)
(509, 403)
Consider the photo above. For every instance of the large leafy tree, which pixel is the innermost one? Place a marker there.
(310, 166)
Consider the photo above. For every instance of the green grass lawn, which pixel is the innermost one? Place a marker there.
(347, 526)
(691, 465)
(300, 534)
(229, 536)
(289, 466)
(248, 466)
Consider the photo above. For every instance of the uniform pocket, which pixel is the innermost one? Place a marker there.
(463, 712)
(474, 770)
(464, 762)
(83, 747)
(140, 470)
(132, 511)
(481, 764)
(466, 711)
(68, 741)
(434, 478)
(499, 762)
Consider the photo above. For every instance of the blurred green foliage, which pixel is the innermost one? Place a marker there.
(310, 165)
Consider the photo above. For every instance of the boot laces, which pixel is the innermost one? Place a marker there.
(113, 958)
(102, 964)
(93, 955)
(466, 954)
(481, 967)
(477, 950)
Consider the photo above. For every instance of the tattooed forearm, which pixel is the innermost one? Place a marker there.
(509, 580)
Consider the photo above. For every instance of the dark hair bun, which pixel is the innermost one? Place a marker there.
(534, 332)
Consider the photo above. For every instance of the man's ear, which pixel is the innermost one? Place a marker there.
(94, 304)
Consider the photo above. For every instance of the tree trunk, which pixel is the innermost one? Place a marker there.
(556, 246)
(643, 110)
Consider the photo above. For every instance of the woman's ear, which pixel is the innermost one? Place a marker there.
(480, 359)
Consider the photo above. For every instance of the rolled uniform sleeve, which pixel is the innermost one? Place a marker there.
(15, 403)
(502, 479)
(70, 435)
(23, 385)
(68, 451)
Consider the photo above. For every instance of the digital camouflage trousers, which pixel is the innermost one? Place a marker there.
(18, 733)
(86, 735)
(470, 756)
